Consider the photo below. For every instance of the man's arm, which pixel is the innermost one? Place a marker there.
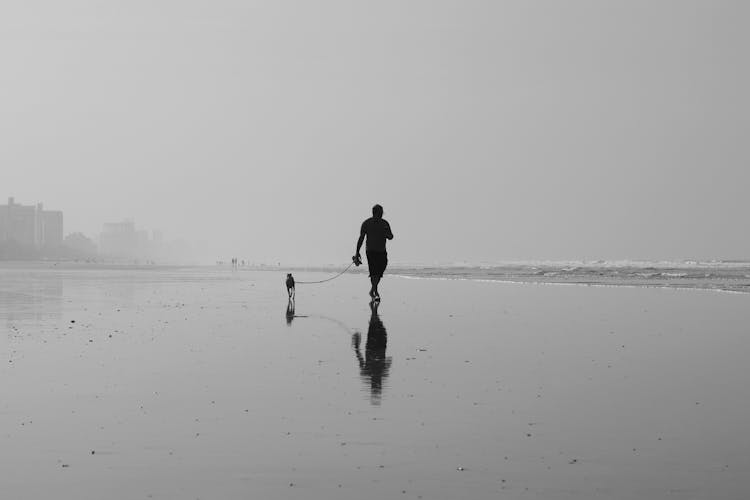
(361, 239)
(359, 242)
(389, 233)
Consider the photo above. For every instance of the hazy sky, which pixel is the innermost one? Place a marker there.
(489, 130)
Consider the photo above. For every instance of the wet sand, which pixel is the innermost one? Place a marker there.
(198, 383)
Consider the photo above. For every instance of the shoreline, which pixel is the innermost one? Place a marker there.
(571, 283)
(728, 285)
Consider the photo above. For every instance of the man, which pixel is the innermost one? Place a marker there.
(377, 230)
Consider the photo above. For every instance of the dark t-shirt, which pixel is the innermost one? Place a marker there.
(377, 230)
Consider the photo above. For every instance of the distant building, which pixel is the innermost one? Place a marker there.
(119, 239)
(52, 222)
(30, 225)
(80, 245)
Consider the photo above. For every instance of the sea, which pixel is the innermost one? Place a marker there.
(715, 275)
(725, 276)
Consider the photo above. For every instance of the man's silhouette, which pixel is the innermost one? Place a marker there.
(377, 230)
(290, 285)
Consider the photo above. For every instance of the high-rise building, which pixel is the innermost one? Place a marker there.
(30, 225)
(121, 240)
(52, 221)
(118, 239)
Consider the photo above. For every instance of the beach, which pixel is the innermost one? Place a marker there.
(203, 383)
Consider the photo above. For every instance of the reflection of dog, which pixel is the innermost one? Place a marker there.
(290, 285)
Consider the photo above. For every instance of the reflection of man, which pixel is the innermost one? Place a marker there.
(375, 365)
(290, 312)
(377, 230)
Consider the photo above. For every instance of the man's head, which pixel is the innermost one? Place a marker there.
(377, 211)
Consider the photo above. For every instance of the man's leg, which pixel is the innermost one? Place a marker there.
(374, 263)
(375, 282)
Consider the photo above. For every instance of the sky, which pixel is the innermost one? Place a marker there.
(489, 130)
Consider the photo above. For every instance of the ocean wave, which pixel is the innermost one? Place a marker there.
(712, 276)
(742, 290)
(622, 263)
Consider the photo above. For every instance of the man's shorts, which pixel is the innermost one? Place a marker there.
(376, 262)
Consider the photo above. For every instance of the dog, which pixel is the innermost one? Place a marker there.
(290, 285)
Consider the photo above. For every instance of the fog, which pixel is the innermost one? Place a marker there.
(489, 131)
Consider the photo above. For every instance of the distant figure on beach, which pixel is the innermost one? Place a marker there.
(374, 366)
(290, 285)
(377, 230)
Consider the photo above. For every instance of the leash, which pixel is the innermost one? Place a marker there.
(323, 281)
